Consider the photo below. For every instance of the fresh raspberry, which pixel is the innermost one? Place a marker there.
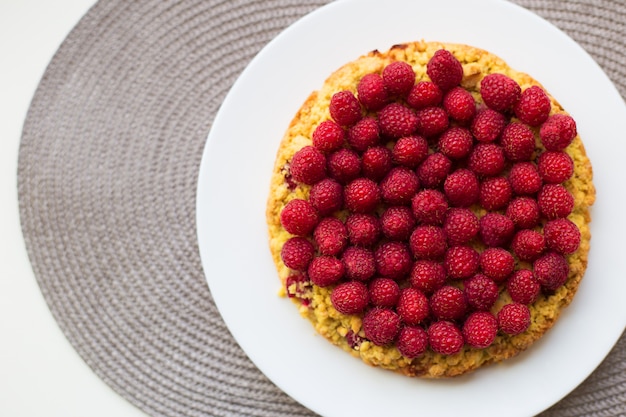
(448, 303)
(562, 235)
(362, 195)
(377, 162)
(462, 188)
(551, 270)
(397, 222)
(344, 108)
(497, 263)
(481, 292)
(424, 94)
(445, 338)
(533, 107)
(412, 341)
(331, 236)
(299, 217)
(297, 253)
(393, 260)
(557, 132)
(350, 297)
(524, 212)
(410, 151)
(523, 287)
(308, 165)
(384, 292)
(495, 193)
(428, 242)
(429, 207)
(499, 92)
(398, 78)
(381, 326)
(427, 276)
(460, 226)
(488, 125)
(328, 136)
(326, 196)
(412, 306)
(434, 170)
(518, 142)
(397, 120)
(344, 165)
(371, 92)
(528, 244)
(456, 142)
(359, 263)
(480, 329)
(496, 229)
(555, 167)
(444, 70)
(524, 178)
(487, 159)
(298, 285)
(325, 270)
(363, 229)
(460, 105)
(431, 121)
(399, 186)
(514, 318)
(461, 262)
(555, 201)
(364, 134)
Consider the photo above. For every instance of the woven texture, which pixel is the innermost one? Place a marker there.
(107, 174)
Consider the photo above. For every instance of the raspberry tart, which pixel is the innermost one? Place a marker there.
(429, 209)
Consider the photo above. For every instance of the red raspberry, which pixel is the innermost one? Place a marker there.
(445, 338)
(461, 262)
(462, 188)
(381, 326)
(361, 195)
(377, 162)
(524, 178)
(331, 236)
(434, 170)
(533, 107)
(299, 217)
(353, 339)
(412, 306)
(456, 142)
(558, 132)
(424, 94)
(499, 92)
(528, 244)
(412, 341)
(555, 167)
(431, 121)
(429, 207)
(428, 242)
(359, 263)
(523, 287)
(448, 303)
(551, 270)
(460, 226)
(518, 142)
(363, 229)
(326, 196)
(350, 297)
(371, 92)
(514, 318)
(384, 292)
(398, 78)
(410, 151)
(495, 193)
(497, 263)
(344, 108)
(480, 329)
(444, 70)
(481, 292)
(562, 235)
(487, 159)
(298, 285)
(488, 125)
(393, 260)
(496, 229)
(399, 186)
(397, 120)
(555, 201)
(524, 212)
(397, 222)
(328, 136)
(344, 165)
(460, 105)
(308, 165)
(364, 134)
(325, 270)
(427, 276)
(297, 253)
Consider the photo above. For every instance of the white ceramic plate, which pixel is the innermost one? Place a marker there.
(234, 180)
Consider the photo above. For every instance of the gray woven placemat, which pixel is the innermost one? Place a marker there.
(107, 177)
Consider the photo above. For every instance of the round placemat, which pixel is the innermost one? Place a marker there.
(107, 175)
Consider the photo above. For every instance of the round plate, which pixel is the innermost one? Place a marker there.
(234, 183)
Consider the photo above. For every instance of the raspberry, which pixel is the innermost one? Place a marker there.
(350, 297)
(364, 134)
(308, 165)
(488, 125)
(412, 341)
(331, 236)
(460, 105)
(495, 193)
(518, 142)
(397, 222)
(562, 235)
(412, 306)
(431, 121)
(377, 162)
(297, 253)
(461, 262)
(524, 212)
(528, 244)
(456, 142)
(487, 159)
(410, 151)
(359, 263)
(555, 167)
(299, 217)
(551, 270)
(371, 92)
(480, 329)
(434, 170)
(298, 285)
(481, 292)
(462, 188)
(428, 242)
(381, 326)
(444, 70)
(397, 120)
(362, 195)
(496, 229)
(353, 339)
(499, 92)
(344, 165)
(555, 201)
(424, 94)
(363, 229)
(325, 270)
(514, 318)
(393, 260)
(445, 338)
(326, 196)
(557, 132)
(399, 186)
(344, 108)
(427, 276)
(398, 78)
(524, 178)
(429, 207)
(533, 107)
(328, 136)
(497, 263)
(523, 287)
(460, 226)
(448, 303)
(384, 292)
